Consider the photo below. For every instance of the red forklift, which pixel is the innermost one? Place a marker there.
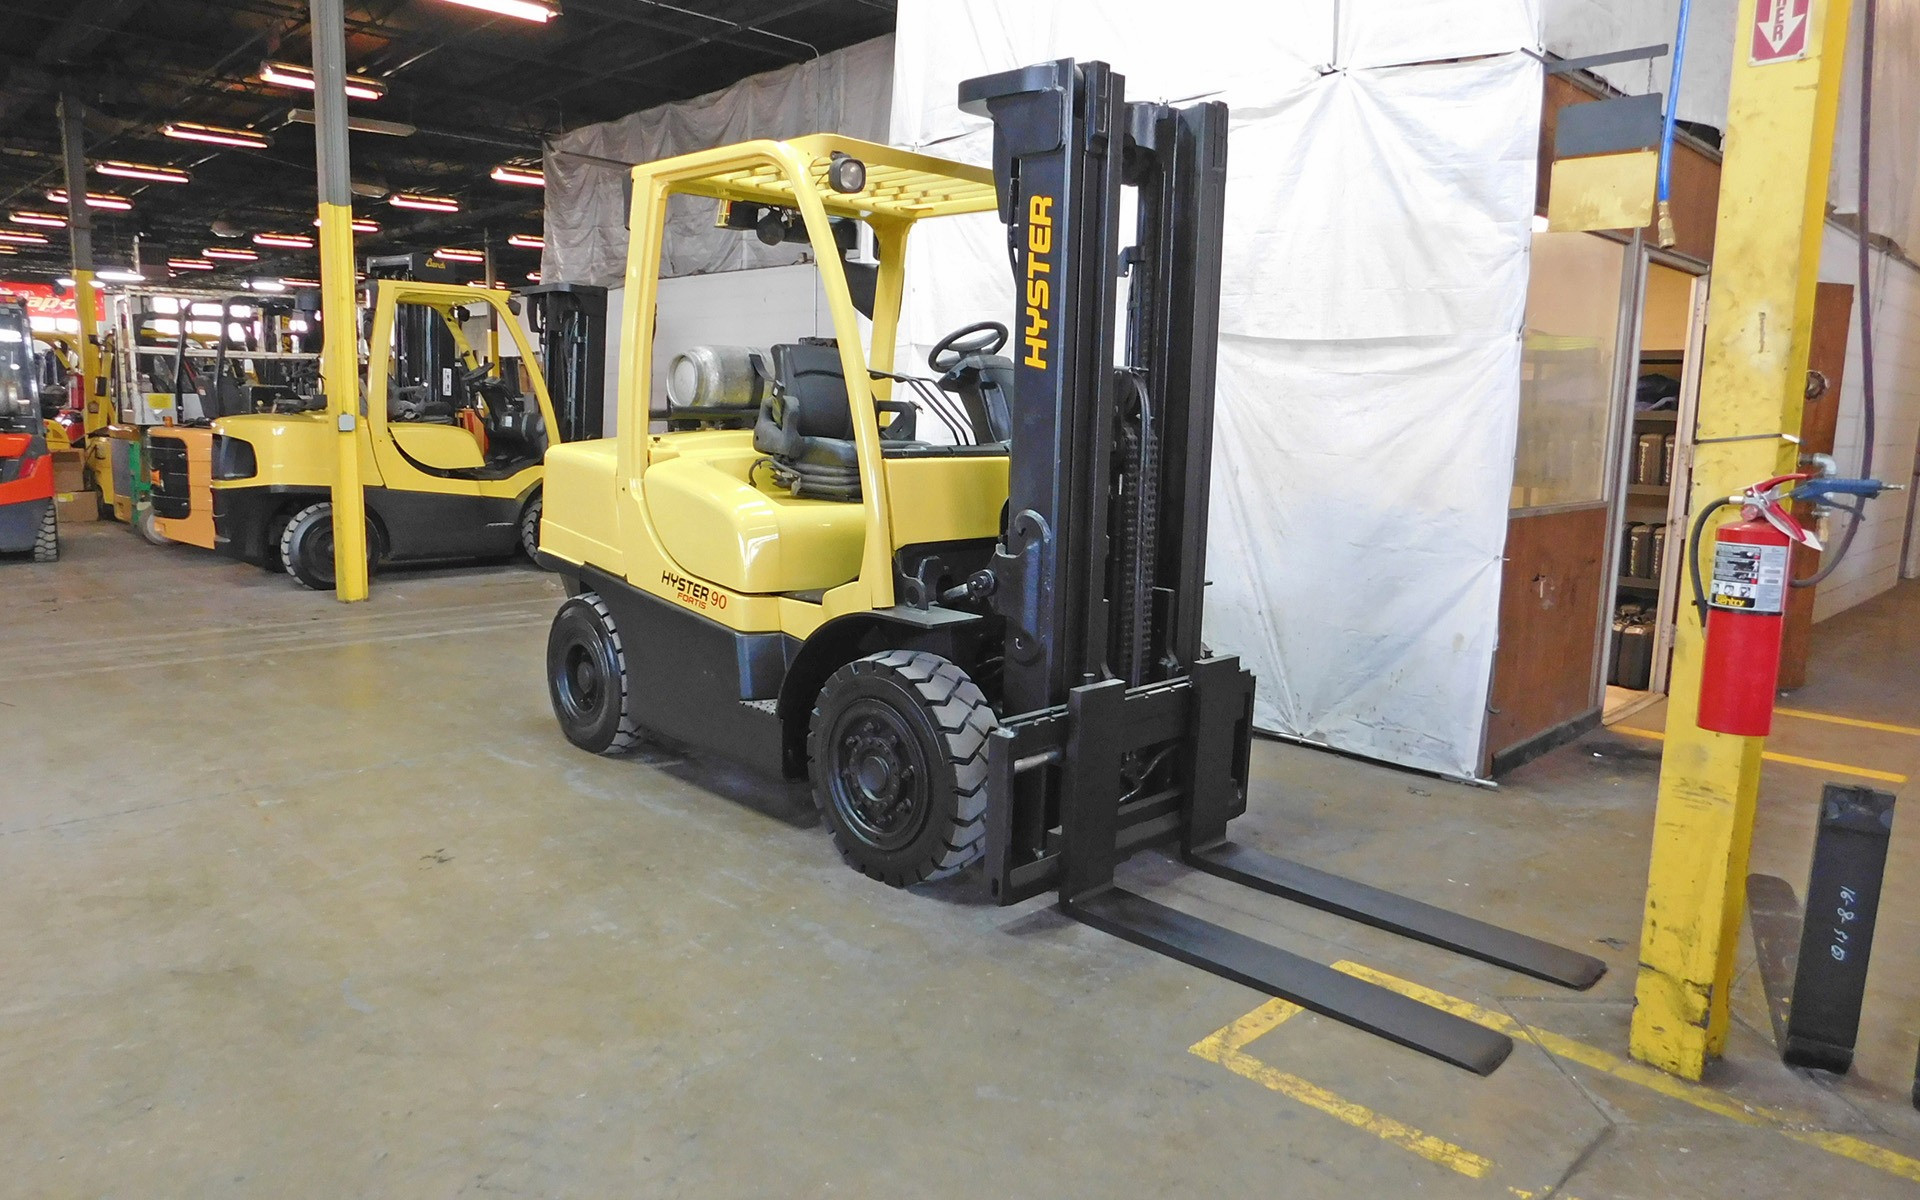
(27, 521)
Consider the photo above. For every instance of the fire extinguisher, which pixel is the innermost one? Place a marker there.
(1745, 605)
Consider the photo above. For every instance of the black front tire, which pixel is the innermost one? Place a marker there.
(306, 547)
(587, 678)
(46, 543)
(530, 528)
(898, 750)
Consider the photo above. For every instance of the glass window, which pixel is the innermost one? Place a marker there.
(1566, 372)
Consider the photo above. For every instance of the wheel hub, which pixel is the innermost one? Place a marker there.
(878, 780)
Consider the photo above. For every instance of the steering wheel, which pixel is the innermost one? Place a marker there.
(472, 378)
(981, 337)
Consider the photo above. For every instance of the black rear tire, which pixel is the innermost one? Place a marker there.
(46, 543)
(587, 678)
(898, 764)
(530, 528)
(306, 547)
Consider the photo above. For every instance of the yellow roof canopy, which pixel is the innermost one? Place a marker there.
(899, 183)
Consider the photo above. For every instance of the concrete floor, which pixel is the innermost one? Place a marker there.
(307, 900)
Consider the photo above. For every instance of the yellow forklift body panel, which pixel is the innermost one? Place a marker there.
(718, 525)
(946, 499)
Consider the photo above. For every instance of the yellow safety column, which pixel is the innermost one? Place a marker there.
(1773, 189)
(339, 356)
(95, 411)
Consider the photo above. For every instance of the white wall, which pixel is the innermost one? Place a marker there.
(732, 308)
(1872, 564)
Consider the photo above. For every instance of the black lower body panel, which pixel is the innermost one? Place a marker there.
(1299, 980)
(416, 526)
(694, 680)
(1398, 914)
(20, 524)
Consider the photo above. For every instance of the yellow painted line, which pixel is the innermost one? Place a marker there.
(1223, 1046)
(1844, 1145)
(1856, 722)
(1818, 764)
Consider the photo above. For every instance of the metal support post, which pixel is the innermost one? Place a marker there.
(340, 358)
(493, 314)
(96, 412)
(1773, 185)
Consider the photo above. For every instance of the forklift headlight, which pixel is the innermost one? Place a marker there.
(233, 458)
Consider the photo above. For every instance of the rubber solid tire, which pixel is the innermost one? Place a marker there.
(530, 526)
(46, 543)
(945, 713)
(587, 680)
(306, 547)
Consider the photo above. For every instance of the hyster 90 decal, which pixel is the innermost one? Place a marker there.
(693, 593)
(1039, 246)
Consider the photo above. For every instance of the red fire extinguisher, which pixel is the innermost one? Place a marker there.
(1745, 605)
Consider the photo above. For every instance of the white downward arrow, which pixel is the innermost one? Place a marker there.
(1780, 23)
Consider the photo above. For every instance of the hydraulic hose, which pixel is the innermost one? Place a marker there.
(1863, 266)
(1663, 189)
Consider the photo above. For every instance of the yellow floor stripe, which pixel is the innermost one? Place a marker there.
(1818, 764)
(1856, 722)
(1224, 1047)
(1844, 1145)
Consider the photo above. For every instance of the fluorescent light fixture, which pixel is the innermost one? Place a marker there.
(190, 264)
(145, 171)
(527, 241)
(451, 254)
(360, 225)
(293, 75)
(94, 200)
(23, 237)
(232, 254)
(526, 10)
(67, 281)
(482, 284)
(119, 276)
(284, 241)
(299, 283)
(533, 277)
(217, 135)
(304, 116)
(264, 285)
(8, 250)
(26, 216)
(442, 204)
(507, 173)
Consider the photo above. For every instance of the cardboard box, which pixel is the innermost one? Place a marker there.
(76, 508)
(69, 470)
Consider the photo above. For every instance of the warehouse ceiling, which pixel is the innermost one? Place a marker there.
(465, 91)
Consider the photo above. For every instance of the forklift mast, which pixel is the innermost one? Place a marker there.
(1119, 731)
(570, 319)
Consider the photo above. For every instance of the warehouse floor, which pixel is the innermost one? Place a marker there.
(308, 900)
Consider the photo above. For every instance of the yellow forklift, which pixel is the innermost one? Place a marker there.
(965, 605)
(450, 445)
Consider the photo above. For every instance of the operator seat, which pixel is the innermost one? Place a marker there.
(806, 422)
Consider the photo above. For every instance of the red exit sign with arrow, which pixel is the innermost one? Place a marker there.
(1780, 30)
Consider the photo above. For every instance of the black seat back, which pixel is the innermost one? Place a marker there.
(806, 423)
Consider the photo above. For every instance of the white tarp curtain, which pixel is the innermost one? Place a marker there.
(1378, 217)
(845, 91)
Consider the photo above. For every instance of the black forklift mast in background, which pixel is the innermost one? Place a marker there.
(570, 322)
(1122, 731)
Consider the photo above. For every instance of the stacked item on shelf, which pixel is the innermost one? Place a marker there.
(1632, 647)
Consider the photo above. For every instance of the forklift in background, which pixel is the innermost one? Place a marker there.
(28, 524)
(450, 444)
(971, 619)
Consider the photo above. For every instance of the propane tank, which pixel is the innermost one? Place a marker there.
(1746, 607)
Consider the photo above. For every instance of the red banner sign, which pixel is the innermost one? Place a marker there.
(45, 305)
